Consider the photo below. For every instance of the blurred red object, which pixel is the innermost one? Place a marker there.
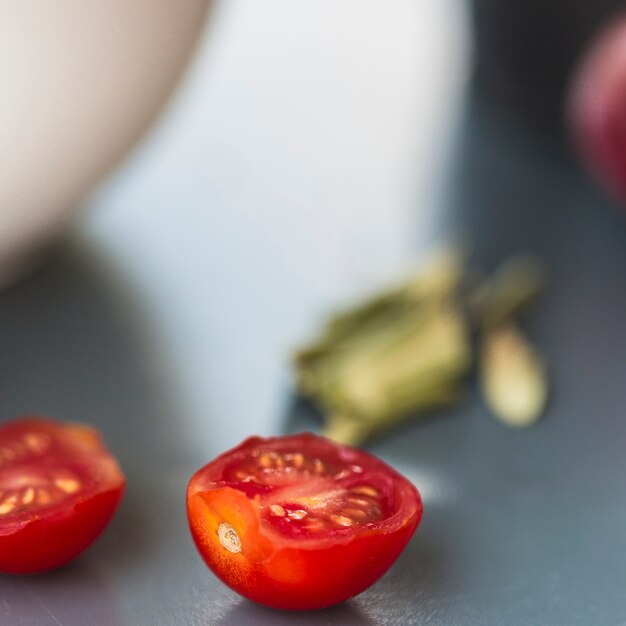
(597, 106)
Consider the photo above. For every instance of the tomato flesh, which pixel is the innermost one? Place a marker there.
(299, 522)
(59, 488)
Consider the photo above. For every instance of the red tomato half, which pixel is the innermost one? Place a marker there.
(59, 488)
(300, 522)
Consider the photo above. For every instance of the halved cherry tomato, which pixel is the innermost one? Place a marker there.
(300, 522)
(59, 488)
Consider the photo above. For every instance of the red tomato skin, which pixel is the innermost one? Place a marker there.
(53, 536)
(46, 544)
(324, 577)
(285, 575)
(597, 107)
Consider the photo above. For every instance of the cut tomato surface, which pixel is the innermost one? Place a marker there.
(59, 488)
(300, 522)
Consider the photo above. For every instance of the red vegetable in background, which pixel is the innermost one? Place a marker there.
(299, 522)
(597, 104)
(59, 488)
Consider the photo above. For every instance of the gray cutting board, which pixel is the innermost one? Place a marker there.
(520, 527)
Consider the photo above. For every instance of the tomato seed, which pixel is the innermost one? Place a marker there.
(365, 490)
(36, 443)
(265, 460)
(29, 496)
(69, 485)
(342, 520)
(359, 501)
(8, 505)
(229, 538)
(277, 510)
(356, 513)
(315, 524)
(344, 473)
(297, 514)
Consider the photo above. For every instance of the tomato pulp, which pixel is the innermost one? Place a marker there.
(59, 488)
(300, 522)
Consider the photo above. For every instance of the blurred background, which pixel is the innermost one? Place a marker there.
(297, 166)
(178, 214)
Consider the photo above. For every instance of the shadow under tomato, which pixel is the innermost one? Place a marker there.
(423, 574)
(247, 613)
(76, 346)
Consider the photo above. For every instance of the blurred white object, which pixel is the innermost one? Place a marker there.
(301, 167)
(80, 83)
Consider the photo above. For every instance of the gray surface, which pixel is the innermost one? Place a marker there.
(519, 527)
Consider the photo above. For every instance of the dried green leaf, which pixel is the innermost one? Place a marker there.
(512, 288)
(352, 430)
(392, 379)
(439, 279)
(408, 350)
